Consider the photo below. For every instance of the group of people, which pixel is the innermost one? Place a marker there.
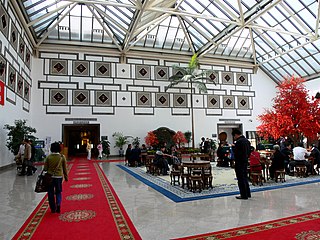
(26, 157)
(135, 156)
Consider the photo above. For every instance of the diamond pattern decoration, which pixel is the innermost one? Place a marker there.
(243, 102)
(81, 97)
(228, 102)
(213, 77)
(102, 69)
(241, 78)
(227, 78)
(12, 77)
(213, 101)
(81, 68)
(162, 73)
(58, 67)
(20, 84)
(103, 98)
(162, 99)
(3, 21)
(143, 71)
(180, 100)
(2, 67)
(58, 97)
(143, 99)
(4, 25)
(26, 92)
(13, 36)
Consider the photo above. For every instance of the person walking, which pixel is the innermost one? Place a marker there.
(89, 150)
(100, 148)
(241, 155)
(56, 165)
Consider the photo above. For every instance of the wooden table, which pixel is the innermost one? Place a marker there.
(193, 165)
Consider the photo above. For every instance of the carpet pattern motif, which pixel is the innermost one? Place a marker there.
(178, 194)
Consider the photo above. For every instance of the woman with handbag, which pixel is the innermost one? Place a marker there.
(56, 166)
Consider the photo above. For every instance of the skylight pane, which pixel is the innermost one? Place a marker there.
(306, 67)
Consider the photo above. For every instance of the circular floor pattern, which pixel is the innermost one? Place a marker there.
(77, 215)
(79, 197)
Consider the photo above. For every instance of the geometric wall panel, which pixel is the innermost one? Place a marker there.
(58, 97)
(28, 57)
(162, 100)
(103, 98)
(20, 85)
(26, 91)
(21, 49)
(242, 79)
(12, 78)
(4, 22)
(81, 68)
(227, 78)
(143, 72)
(143, 99)
(213, 78)
(243, 102)
(213, 101)
(161, 73)
(14, 36)
(102, 69)
(81, 97)
(3, 66)
(228, 102)
(58, 67)
(180, 100)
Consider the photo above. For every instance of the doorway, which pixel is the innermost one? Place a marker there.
(225, 132)
(75, 138)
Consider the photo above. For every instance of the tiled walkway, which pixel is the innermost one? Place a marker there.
(157, 217)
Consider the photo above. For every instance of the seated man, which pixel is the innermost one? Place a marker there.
(277, 161)
(254, 159)
(161, 162)
(315, 153)
(299, 158)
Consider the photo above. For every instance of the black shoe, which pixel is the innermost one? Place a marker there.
(239, 197)
(58, 209)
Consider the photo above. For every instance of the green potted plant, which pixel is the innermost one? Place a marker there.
(17, 133)
(120, 141)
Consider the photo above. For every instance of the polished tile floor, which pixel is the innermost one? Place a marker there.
(155, 216)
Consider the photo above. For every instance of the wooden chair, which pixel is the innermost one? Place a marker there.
(196, 183)
(300, 171)
(280, 174)
(256, 178)
(185, 181)
(175, 177)
(207, 177)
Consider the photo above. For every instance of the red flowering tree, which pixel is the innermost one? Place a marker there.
(294, 114)
(179, 138)
(151, 139)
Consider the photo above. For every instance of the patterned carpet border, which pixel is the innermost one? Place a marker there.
(178, 194)
(260, 227)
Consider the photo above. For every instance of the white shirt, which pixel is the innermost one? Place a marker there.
(299, 153)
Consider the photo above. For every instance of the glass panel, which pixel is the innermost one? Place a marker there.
(306, 67)
(298, 69)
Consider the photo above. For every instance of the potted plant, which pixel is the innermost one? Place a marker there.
(17, 133)
(120, 141)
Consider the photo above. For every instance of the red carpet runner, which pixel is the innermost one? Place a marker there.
(300, 227)
(90, 209)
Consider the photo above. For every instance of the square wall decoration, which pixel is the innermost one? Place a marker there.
(21, 49)
(4, 24)
(58, 67)
(143, 99)
(3, 65)
(227, 78)
(143, 72)
(81, 97)
(14, 35)
(12, 75)
(213, 78)
(162, 100)
(26, 91)
(161, 73)
(213, 101)
(58, 97)
(103, 98)
(243, 102)
(20, 85)
(180, 100)
(102, 69)
(242, 79)
(28, 58)
(80, 68)
(228, 102)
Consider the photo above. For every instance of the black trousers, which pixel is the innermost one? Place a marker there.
(243, 184)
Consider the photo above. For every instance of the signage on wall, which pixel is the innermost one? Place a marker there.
(1, 93)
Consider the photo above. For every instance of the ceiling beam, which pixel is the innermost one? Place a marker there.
(317, 22)
(104, 3)
(186, 34)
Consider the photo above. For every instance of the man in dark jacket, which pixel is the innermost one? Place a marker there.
(241, 155)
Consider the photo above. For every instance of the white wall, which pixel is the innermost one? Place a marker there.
(138, 125)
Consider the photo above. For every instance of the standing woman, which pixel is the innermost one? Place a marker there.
(56, 165)
(89, 150)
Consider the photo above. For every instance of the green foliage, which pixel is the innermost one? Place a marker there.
(191, 74)
(17, 133)
(165, 135)
(120, 139)
(105, 147)
(213, 144)
(187, 135)
(136, 141)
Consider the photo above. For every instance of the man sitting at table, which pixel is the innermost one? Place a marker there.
(277, 161)
(160, 161)
(287, 152)
(299, 156)
(315, 153)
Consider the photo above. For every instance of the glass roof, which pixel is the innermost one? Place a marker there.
(279, 36)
